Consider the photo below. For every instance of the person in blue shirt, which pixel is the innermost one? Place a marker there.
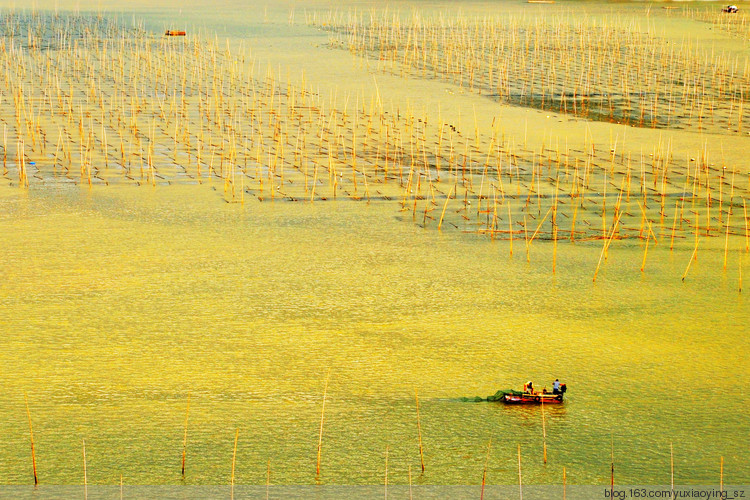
(556, 387)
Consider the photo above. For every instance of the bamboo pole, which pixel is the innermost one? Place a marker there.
(184, 439)
(607, 242)
(671, 469)
(520, 481)
(528, 245)
(726, 239)
(31, 435)
(612, 469)
(234, 458)
(386, 473)
(484, 473)
(410, 492)
(544, 435)
(692, 257)
(510, 230)
(85, 478)
(747, 233)
(445, 205)
(419, 432)
(322, 418)
(268, 478)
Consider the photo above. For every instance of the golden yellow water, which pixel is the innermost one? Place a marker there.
(117, 302)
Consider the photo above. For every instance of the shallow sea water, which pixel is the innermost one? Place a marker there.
(117, 303)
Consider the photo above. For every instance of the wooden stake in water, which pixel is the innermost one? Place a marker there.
(612, 469)
(440, 224)
(322, 419)
(721, 475)
(85, 478)
(726, 239)
(184, 439)
(692, 257)
(31, 434)
(386, 472)
(510, 230)
(234, 458)
(564, 483)
(520, 482)
(419, 432)
(544, 434)
(484, 474)
(410, 493)
(645, 252)
(606, 245)
(671, 468)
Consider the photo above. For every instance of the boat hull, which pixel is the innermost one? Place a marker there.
(533, 399)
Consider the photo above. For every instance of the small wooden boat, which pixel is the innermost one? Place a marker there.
(174, 33)
(530, 397)
(526, 398)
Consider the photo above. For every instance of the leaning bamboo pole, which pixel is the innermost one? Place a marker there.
(692, 257)
(322, 419)
(445, 205)
(234, 459)
(31, 436)
(605, 247)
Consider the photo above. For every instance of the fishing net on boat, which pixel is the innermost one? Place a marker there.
(498, 396)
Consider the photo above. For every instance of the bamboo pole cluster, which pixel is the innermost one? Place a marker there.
(607, 70)
(736, 24)
(114, 104)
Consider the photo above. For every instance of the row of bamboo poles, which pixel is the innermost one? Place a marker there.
(599, 69)
(418, 429)
(106, 104)
(736, 24)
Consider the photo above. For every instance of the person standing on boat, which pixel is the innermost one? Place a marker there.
(556, 387)
(528, 387)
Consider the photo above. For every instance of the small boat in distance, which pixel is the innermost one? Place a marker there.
(174, 33)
